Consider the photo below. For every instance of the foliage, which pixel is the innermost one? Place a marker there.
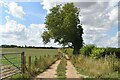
(87, 49)
(63, 25)
(115, 51)
(93, 51)
(61, 69)
(97, 52)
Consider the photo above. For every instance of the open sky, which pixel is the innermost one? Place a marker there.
(22, 23)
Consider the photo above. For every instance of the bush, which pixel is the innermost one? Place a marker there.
(112, 51)
(97, 52)
(87, 50)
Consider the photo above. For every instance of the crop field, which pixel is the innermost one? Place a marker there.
(31, 51)
(28, 52)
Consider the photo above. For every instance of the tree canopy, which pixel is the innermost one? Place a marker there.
(63, 25)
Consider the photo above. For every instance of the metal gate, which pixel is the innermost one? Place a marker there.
(11, 64)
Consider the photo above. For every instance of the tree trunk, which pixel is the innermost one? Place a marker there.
(76, 50)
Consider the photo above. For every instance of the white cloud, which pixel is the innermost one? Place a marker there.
(100, 18)
(11, 26)
(15, 10)
(33, 33)
(102, 40)
(48, 4)
(113, 14)
(13, 33)
(2, 3)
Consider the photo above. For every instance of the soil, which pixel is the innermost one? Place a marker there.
(51, 72)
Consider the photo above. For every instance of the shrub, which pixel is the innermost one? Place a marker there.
(97, 52)
(87, 50)
(112, 51)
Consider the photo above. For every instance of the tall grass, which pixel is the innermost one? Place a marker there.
(42, 63)
(107, 67)
(97, 62)
(39, 65)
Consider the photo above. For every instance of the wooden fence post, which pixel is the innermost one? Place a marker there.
(29, 63)
(23, 62)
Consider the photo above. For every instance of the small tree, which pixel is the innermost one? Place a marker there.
(63, 25)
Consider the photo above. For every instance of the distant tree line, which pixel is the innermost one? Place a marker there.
(16, 46)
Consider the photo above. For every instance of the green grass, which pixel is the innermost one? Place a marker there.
(31, 52)
(61, 69)
(19, 77)
(16, 59)
(28, 52)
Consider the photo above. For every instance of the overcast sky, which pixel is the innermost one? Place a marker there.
(22, 23)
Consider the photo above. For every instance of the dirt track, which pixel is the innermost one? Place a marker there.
(71, 71)
(50, 73)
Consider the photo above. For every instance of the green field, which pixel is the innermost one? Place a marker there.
(28, 52)
(31, 52)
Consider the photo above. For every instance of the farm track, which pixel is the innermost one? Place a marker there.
(51, 72)
(71, 69)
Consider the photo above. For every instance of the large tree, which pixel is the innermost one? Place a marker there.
(63, 25)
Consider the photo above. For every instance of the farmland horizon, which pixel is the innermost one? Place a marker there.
(27, 46)
(42, 47)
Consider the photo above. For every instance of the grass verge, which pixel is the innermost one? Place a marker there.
(61, 69)
(105, 67)
(40, 65)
